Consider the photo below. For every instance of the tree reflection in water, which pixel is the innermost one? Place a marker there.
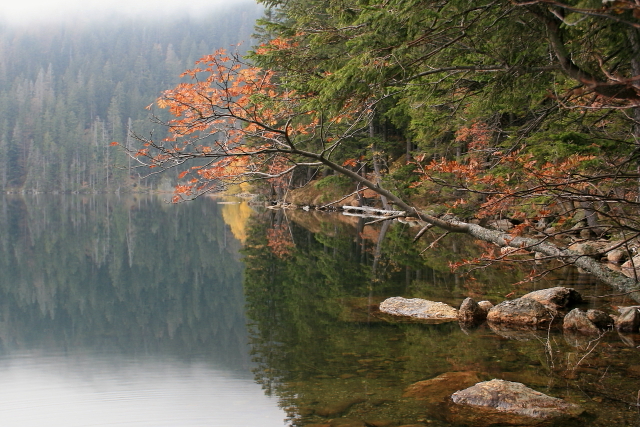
(321, 346)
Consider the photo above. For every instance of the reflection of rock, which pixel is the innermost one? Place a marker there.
(438, 389)
(359, 310)
(577, 320)
(630, 340)
(578, 339)
(629, 319)
(555, 298)
(470, 312)
(418, 308)
(520, 312)
(518, 333)
(507, 403)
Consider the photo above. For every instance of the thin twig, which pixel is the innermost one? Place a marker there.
(432, 245)
(421, 232)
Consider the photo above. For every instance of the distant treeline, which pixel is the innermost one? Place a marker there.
(67, 90)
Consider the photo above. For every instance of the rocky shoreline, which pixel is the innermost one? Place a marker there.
(464, 398)
(552, 307)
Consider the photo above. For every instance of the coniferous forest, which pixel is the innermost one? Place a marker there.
(68, 89)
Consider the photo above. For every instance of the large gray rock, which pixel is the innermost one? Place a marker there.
(555, 298)
(485, 305)
(629, 319)
(577, 320)
(599, 318)
(499, 402)
(520, 312)
(419, 309)
(471, 312)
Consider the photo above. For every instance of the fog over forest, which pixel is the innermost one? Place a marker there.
(68, 87)
(28, 12)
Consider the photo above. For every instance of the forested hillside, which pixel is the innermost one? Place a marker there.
(68, 89)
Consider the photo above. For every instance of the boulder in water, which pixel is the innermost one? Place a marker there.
(499, 402)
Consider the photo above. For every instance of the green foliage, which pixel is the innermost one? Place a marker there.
(562, 145)
(338, 182)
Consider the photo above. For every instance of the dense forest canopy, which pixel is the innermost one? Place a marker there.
(67, 89)
(528, 111)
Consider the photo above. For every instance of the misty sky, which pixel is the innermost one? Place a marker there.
(25, 11)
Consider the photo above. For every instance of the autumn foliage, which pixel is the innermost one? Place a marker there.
(243, 125)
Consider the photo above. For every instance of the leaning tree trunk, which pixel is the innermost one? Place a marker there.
(499, 238)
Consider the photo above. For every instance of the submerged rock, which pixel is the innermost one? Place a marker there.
(438, 389)
(499, 402)
(630, 340)
(419, 309)
(555, 298)
(520, 312)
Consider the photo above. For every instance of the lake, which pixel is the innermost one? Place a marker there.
(130, 311)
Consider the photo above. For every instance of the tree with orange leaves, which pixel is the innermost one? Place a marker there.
(242, 123)
(244, 126)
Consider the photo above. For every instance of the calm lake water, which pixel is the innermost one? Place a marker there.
(123, 312)
(133, 312)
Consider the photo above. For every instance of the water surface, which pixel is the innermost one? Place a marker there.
(133, 312)
(123, 312)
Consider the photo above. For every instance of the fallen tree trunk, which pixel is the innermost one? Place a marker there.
(500, 238)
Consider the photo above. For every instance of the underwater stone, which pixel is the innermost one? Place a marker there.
(507, 403)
